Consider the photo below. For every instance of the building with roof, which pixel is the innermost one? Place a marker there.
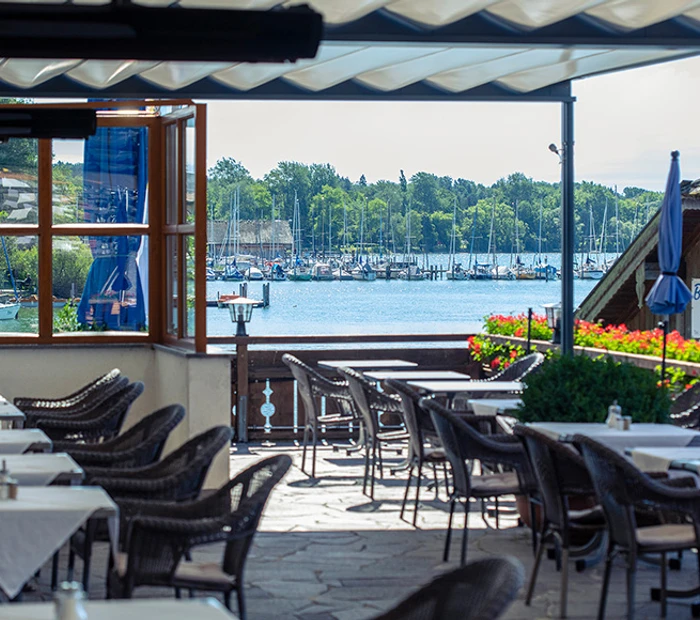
(263, 238)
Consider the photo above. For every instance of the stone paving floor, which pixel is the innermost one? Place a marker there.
(327, 552)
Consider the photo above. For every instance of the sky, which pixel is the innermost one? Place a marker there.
(626, 125)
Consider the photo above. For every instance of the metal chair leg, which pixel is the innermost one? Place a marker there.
(314, 432)
(564, 581)
(664, 586)
(303, 451)
(606, 584)
(631, 583)
(465, 533)
(418, 482)
(405, 495)
(535, 568)
(448, 539)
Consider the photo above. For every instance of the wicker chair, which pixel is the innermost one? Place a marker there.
(159, 535)
(560, 473)
(99, 424)
(462, 443)
(312, 386)
(371, 403)
(519, 369)
(424, 445)
(621, 488)
(685, 409)
(139, 446)
(177, 477)
(86, 397)
(481, 590)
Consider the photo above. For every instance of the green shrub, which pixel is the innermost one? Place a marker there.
(580, 389)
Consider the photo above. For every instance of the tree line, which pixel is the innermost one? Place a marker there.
(332, 209)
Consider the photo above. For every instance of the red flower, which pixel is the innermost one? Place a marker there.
(519, 332)
(513, 354)
(495, 362)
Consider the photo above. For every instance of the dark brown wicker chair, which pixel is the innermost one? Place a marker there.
(99, 424)
(312, 386)
(159, 535)
(463, 443)
(424, 445)
(371, 403)
(139, 446)
(519, 369)
(621, 488)
(77, 401)
(561, 474)
(685, 408)
(481, 590)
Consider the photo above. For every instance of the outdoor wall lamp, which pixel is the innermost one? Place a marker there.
(555, 149)
(241, 311)
(553, 313)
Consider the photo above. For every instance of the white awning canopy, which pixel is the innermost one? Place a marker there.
(403, 49)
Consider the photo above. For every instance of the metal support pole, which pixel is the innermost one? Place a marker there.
(242, 392)
(567, 228)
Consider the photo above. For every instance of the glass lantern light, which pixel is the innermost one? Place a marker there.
(553, 314)
(241, 311)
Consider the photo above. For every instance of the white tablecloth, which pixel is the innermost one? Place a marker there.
(651, 435)
(9, 413)
(144, 609)
(38, 470)
(39, 522)
(660, 459)
(493, 406)
(18, 441)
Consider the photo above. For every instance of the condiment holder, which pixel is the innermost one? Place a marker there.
(68, 601)
(8, 485)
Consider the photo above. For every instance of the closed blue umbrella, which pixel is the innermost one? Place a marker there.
(670, 295)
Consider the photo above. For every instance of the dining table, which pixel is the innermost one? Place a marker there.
(654, 459)
(43, 469)
(37, 524)
(376, 364)
(493, 406)
(10, 416)
(21, 440)
(638, 435)
(452, 388)
(134, 609)
(416, 374)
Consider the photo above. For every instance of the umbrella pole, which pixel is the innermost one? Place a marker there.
(663, 325)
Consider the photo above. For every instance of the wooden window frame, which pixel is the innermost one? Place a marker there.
(155, 231)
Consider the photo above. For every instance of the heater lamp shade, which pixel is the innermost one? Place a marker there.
(33, 122)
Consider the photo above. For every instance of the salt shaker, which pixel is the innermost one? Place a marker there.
(4, 481)
(68, 601)
(614, 415)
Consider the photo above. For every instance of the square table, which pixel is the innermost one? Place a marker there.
(43, 469)
(365, 364)
(19, 441)
(10, 416)
(451, 388)
(663, 459)
(405, 375)
(640, 434)
(493, 406)
(134, 609)
(40, 521)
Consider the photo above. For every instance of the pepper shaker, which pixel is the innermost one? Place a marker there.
(68, 601)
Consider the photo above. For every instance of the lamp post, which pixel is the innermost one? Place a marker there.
(241, 311)
(553, 314)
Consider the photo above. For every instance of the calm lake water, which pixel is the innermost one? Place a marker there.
(380, 307)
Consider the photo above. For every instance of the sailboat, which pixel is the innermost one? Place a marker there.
(297, 272)
(519, 269)
(543, 271)
(455, 271)
(589, 268)
(9, 310)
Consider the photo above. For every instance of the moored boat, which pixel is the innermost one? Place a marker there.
(254, 274)
(364, 273)
(321, 272)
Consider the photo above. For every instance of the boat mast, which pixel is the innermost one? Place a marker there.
(362, 230)
(603, 231)
(617, 224)
(345, 227)
(471, 244)
(453, 238)
(407, 250)
(539, 241)
(330, 230)
(236, 222)
(490, 248)
(273, 236)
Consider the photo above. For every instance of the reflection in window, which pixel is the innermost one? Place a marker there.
(19, 196)
(19, 272)
(101, 276)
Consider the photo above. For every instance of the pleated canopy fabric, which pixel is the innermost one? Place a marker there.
(670, 295)
(410, 49)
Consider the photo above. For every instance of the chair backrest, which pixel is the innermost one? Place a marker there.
(685, 409)
(613, 478)
(109, 416)
(369, 401)
(519, 369)
(481, 590)
(312, 385)
(190, 463)
(418, 422)
(471, 444)
(143, 443)
(94, 387)
(559, 470)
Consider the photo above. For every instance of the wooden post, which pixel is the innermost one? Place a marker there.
(266, 294)
(242, 390)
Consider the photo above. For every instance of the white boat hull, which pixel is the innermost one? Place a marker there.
(8, 312)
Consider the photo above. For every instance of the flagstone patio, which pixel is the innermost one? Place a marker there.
(327, 552)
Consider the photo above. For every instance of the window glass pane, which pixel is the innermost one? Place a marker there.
(18, 181)
(190, 169)
(102, 179)
(188, 268)
(172, 285)
(19, 310)
(171, 171)
(101, 278)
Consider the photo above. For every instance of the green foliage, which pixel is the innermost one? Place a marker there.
(70, 267)
(430, 200)
(66, 319)
(580, 389)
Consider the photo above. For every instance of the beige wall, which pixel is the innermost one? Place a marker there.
(202, 384)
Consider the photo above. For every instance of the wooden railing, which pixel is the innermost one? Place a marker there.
(264, 390)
